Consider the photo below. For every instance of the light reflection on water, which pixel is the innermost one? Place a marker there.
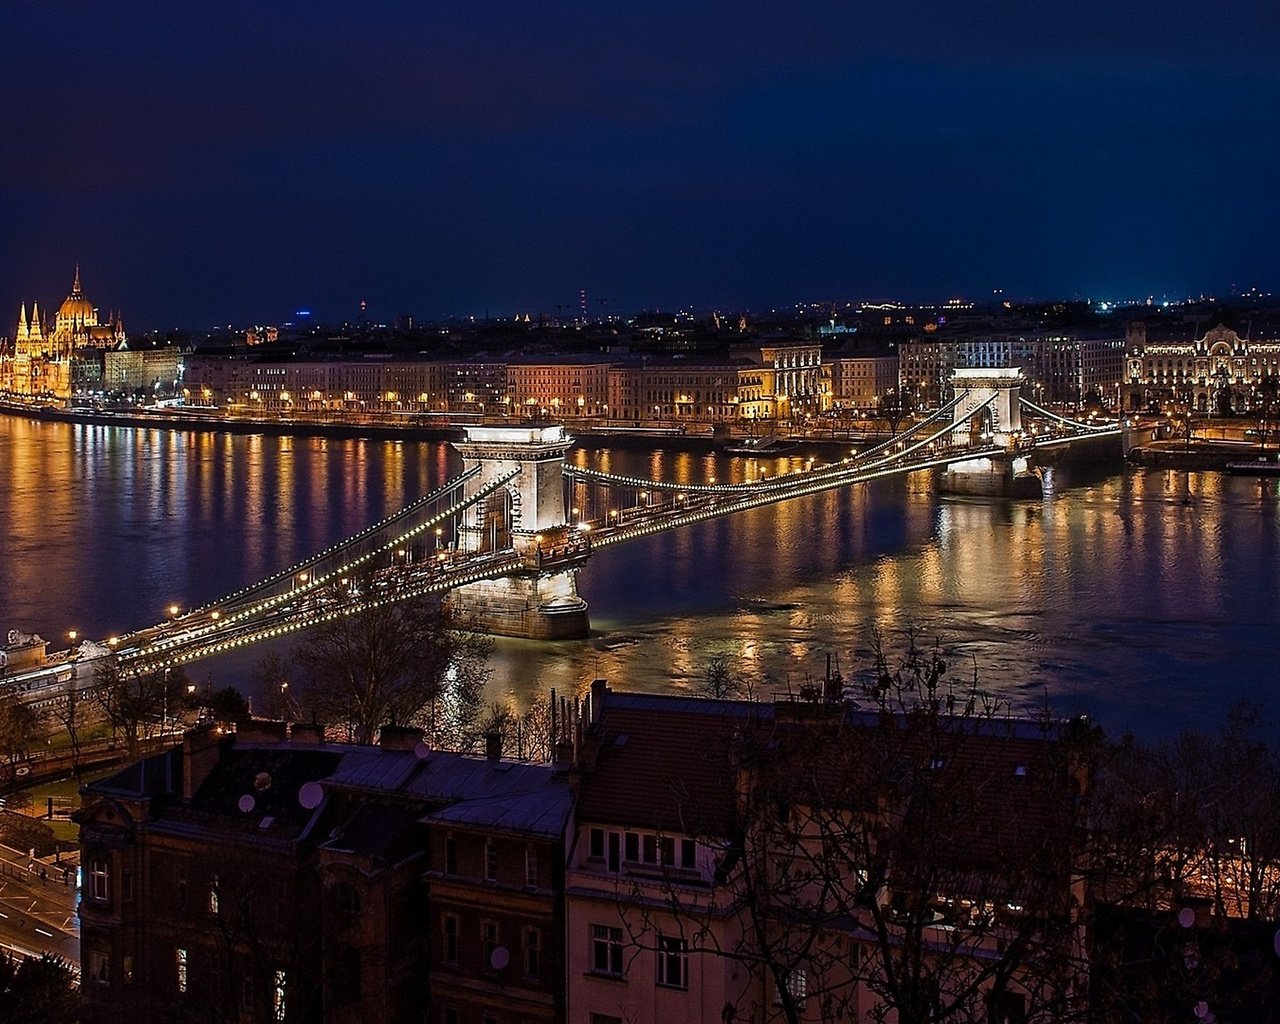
(1149, 599)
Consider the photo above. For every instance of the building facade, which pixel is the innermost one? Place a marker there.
(40, 363)
(1063, 368)
(1207, 371)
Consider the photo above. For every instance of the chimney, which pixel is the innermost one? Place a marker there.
(399, 737)
(261, 730)
(599, 688)
(493, 746)
(562, 745)
(304, 732)
(201, 750)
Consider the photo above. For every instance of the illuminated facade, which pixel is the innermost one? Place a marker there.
(41, 361)
(1215, 372)
(1067, 368)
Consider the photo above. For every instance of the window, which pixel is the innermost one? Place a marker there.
(99, 968)
(488, 942)
(180, 885)
(213, 895)
(450, 856)
(596, 845)
(277, 996)
(449, 951)
(530, 866)
(631, 847)
(126, 885)
(126, 969)
(606, 950)
(688, 854)
(797, 986)
(181, 956)
(490, 861)
(532, 952)
(246, 987)
(651, 849)
(99, 880)
(673, 962)
(346, 899)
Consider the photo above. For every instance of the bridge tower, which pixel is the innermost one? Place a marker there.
(989, 411)
(522, 513)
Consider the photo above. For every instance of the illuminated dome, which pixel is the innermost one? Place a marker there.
(76, 310)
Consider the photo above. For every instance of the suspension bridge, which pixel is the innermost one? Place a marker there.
(505, 538)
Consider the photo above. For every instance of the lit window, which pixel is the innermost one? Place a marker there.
(277, 996)
(213, 895)
(797, 987)
(99, 968)
(181, 956)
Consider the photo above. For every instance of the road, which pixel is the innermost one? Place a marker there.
(37, 917)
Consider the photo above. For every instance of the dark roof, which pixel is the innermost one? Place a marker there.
(255, 790)
(465, 790)
(663, 763)
(157, 775)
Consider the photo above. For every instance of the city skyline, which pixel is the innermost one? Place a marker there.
(496, 159)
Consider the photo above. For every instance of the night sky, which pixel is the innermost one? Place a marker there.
(223, 162)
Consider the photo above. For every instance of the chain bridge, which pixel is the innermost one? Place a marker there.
(505, 538)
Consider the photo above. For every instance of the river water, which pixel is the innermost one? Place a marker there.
(1149, 599)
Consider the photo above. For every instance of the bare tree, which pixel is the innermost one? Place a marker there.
(720, 681)
(916, 860)
(395, 661)
(139, 701)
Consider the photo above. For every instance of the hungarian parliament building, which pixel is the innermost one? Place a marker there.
(44, 362)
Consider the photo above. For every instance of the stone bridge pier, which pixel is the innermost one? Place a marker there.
(521, 516)
(989, 412)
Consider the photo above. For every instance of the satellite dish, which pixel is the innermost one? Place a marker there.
(499, 958)
(1186, 917)
(246, 804)
(421, 751)
(310, 795)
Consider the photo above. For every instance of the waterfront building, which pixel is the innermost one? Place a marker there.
(1197, 368)
(270, 876)
(139, 368)
(858, 380)
(559, 387)
(685, 390)
(41, 361)
(791, 377)
(1063, 366)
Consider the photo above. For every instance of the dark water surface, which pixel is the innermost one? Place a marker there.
(1150, 599)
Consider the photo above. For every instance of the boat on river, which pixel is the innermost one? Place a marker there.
(1260, 466)
(761, 446)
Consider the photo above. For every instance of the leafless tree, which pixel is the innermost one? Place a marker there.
(139, 701)
(912, 860)
(395, 661)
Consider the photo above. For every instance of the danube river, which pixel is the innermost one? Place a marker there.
(1149, 599)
